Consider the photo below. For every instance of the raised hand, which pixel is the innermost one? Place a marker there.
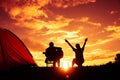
(86, 39)
(69, 44)
(66, 40)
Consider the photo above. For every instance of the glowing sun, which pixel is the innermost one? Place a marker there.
(65, 64)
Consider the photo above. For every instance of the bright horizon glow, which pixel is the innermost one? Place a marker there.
(65, 64)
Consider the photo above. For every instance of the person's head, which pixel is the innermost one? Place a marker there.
(78, 46)
(51, 44)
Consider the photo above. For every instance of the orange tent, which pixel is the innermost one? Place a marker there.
(13, 52)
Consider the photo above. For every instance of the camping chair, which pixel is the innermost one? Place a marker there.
(49, 61)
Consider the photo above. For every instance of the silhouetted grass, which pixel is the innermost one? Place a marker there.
(109, 71)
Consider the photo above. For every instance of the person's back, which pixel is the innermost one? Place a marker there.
(78, 51)
(59, 53)
(50, 53)
(79, 54)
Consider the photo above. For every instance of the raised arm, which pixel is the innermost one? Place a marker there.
(69, 44)
(84, 43)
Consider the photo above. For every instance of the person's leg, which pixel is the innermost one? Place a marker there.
(73, 62)
(79, 63)
(46, 61)
(59, 63)
(54, 63)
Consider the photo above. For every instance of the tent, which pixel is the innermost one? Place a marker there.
(13, 52)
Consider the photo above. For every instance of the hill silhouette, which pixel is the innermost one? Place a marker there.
(109, 71)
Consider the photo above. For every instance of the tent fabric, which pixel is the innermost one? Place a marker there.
(13, 52)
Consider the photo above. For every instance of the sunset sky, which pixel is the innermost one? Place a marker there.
(38, 22)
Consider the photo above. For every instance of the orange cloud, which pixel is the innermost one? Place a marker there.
(28, 9)
(24, 9)
(26, 13)
(115, 30)
(69, 3)
(87, 20)
(52, 25)
(101, 55)
(34, 45)
(100, 42)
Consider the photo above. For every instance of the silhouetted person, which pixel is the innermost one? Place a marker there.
(54, 54)
(79, 58)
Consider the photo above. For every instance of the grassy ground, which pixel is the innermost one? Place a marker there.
(110, 71)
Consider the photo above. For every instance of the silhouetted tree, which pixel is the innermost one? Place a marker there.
(117, 58)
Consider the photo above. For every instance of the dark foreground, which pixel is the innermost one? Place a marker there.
(109, 71)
